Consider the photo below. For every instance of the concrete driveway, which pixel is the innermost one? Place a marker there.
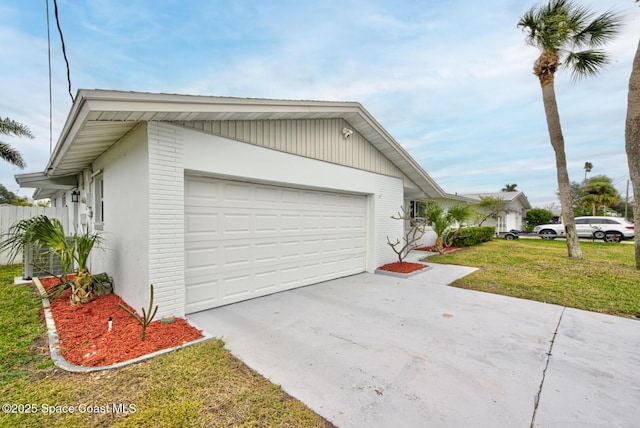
(378, 351)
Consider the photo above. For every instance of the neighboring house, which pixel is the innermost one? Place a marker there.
(515, 212)
(217, 200)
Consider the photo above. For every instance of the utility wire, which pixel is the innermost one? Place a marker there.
(50, 94)
(64, 51)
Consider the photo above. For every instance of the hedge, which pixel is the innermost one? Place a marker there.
(474, 235)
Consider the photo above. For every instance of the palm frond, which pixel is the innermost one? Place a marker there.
(599, 31)
(585, 63)
(11, 155)
(83, 244)
(529, 25)
(11, 127)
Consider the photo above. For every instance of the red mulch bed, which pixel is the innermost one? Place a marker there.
(433, 249)
(406, 267)
(85, 339)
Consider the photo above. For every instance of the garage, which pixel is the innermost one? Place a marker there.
(245, 240)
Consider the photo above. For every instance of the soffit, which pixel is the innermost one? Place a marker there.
(99, 119)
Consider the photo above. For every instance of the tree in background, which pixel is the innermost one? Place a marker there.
(9, 198)
(588, 166)
(556, 29)
(536, 216)
(632, 143)
(509, 188)
(599, 192)
(489, 207)
(8, 153)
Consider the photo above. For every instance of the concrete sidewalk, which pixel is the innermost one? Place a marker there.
(374, 350)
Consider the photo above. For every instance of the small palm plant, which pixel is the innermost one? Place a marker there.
(47, 237)
(441, 221)
(82, 286)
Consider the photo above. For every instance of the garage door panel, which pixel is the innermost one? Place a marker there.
(267, 223)
(198, 258)
(235, 286)
(244, 240)
(200, 293)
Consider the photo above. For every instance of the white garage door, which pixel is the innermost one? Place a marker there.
(244, 240)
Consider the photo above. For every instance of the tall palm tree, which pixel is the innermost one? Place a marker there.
(8, 153)
(509, 187)
(560, 30)
(632, 144)
(588, 166)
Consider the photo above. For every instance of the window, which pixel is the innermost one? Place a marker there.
(99, 200)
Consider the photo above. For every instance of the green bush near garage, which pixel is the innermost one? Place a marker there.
(470, 236)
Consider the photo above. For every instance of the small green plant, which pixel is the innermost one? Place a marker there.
(147, 316)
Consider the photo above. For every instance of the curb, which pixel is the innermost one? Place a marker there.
(59, 361)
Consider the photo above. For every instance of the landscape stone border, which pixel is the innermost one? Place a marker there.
(404, 275)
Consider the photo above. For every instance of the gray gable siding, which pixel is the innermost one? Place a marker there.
(314, 138)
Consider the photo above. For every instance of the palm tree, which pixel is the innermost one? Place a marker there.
(8, 153)
(556, 29)
(441, 220)
(599, 192)
(632, 143)
(509, 187)
(588, 166)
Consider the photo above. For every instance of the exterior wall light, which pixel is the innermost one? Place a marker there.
(74, 196)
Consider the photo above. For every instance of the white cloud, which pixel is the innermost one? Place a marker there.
(451, 81)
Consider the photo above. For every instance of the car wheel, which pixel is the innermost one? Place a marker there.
(509, 237)
(548, 234)
(613, 237)
(598, 234)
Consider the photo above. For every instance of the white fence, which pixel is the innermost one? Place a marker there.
(10, 214)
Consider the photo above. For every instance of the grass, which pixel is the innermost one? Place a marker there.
(203, 385)
(604, 280)
(19, 325)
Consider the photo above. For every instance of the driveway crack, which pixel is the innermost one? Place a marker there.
(544, 372)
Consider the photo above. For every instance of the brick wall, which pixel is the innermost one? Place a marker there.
(166, 217)
(388, 199)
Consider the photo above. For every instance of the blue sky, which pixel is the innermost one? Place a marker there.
(450, 80)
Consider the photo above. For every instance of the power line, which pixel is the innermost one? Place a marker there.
(50, 94)
(64, 50)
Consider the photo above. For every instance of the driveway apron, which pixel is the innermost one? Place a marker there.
(379, 351)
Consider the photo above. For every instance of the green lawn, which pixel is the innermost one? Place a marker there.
(604, 280)
(203, 385)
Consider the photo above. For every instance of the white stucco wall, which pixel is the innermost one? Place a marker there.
(217, 156)
(126, 214)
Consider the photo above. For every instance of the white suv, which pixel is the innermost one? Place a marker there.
(611, 229)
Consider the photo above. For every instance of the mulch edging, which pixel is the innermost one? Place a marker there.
(55, 345)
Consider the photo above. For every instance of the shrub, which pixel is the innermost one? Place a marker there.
(474, 235)
(536, 216)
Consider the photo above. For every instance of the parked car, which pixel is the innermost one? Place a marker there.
(610, 229)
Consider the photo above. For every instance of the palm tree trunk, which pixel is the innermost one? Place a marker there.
(564, 186)
(632, 145)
